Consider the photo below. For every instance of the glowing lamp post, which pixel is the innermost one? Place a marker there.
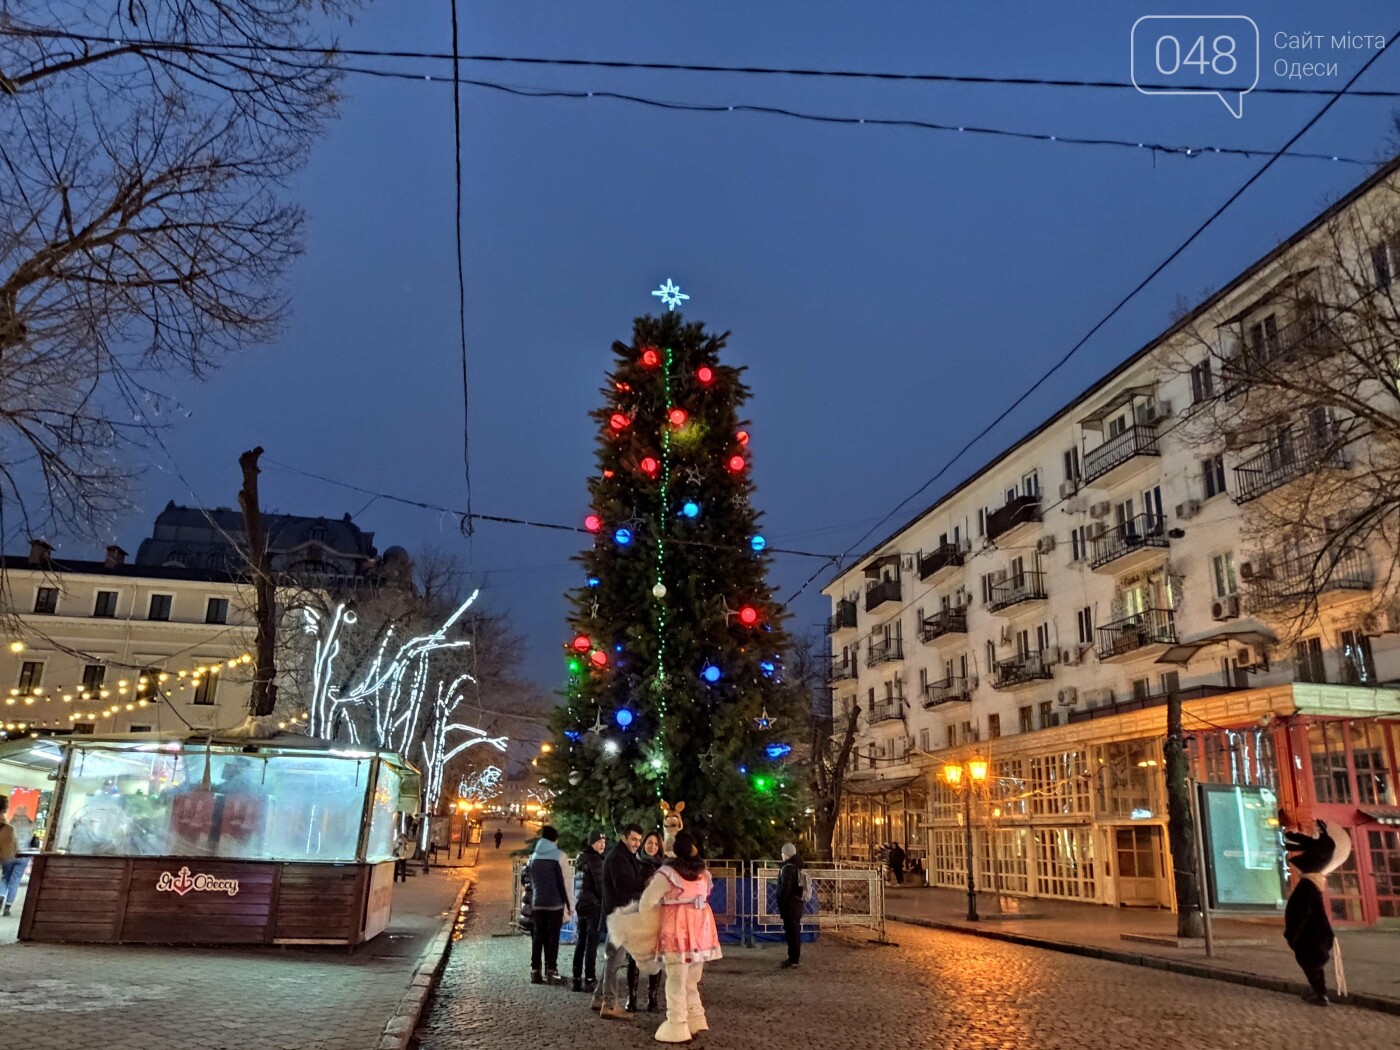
(976, 773)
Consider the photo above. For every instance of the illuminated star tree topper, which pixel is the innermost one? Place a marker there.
(670, 294)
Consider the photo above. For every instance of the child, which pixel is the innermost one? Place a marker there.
(1306, 926)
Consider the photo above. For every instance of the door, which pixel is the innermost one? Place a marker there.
(1140, 869)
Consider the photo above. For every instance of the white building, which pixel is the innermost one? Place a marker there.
(104, 646)
(1038, 615)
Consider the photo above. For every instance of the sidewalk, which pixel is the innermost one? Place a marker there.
(122, 997)
(1368, 956)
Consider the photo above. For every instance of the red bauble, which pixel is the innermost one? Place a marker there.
(626, 388)
(650, 357)
(705, 374)
(743, 438)
(607, 473)
(599, 658)
(736, 463)
(619, 421)
(678, 416)
(582, 643)
(649, 466)
(593, 523)
(748, 615)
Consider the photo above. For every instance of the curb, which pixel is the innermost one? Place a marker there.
(1155, 962)
(398, 1033)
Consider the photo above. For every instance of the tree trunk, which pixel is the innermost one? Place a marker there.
(264, 698)
(831, 780)
(1181, 830)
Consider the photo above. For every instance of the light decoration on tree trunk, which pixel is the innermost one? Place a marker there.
(481, 786)
(444, 740)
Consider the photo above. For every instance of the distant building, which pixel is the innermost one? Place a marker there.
(321, 552)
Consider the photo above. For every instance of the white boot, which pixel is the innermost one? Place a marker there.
(675, 1028)
(695, 1009)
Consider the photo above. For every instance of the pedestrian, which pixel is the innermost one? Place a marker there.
(793, 888)
(896, 862)
(686, 939)
(552, 901)
(588, 911)
(499, 835)
(12, 865)
(1306, 926)
(652, 855)
(623, 881)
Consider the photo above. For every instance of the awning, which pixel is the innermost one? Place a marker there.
(873, 569)
(1095, 419)
(879, 787)
(1272, 293)
(1382, 814)
(1236, 632)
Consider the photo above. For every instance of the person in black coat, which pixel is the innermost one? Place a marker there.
(792, 895)
(589, 907)
(1306, 926)
(651, 856)
(896, 862)
(623, 881)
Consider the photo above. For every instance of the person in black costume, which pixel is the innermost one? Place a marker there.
(1306, 926)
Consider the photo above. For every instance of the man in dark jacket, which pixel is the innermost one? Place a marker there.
(792, 895)
(623, 881)
(589, 907)
(896, 862)
(552, 899)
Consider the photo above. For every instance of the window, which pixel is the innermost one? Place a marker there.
(1026, 719)
(84, 728)
(1307, 658)
(1263, 338)
(106, 605)
(1329, 762)
(923, 683)
(1078, 543)
(1358, 665)
(1030, 484)
(1202, 382)
(1213, 475)
(1380, 262)
(924, 740)
(31, 675)
(216, 611)
(952, 736)
(1141, 687)
(991, 656)
(1073, 471)
(1084, 621)
(1117, 425)
(318, 534)
(208, 688)
(1223, 571)
(46, 600)
(1042, 638)
(138, 729)
(1374, 785)
(160, 607)
(981, 521)
(993, 726)
(987, 588)
(93, 677)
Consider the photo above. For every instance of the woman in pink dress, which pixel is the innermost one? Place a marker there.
(688, 938)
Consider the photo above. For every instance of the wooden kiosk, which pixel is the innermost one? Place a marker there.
(198, 840)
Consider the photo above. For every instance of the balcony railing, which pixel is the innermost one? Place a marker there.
(947, 556)
(1298, 450)
(880, 592)
(886, 710)
(1020, 669)
(1146, 530)
(952, 690)
(945, 621)
(884, 651)
(1306, 332)
(1142, 703)
(1020, 587)
(1018, 511)
(1302, 576)
(845, 616)
(1139, 440)
(842, 672)
(1149, 627)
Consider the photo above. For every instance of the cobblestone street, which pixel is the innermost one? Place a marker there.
(935, 989)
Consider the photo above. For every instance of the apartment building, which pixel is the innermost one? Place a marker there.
(1038, 616)
(106, 646)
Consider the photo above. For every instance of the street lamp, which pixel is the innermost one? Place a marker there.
(976, 769)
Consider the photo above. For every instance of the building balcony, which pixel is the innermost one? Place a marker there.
(1262, 361)
(1142, 634)
(1297, 451)
(1018, 589)
(1102, 464)
(886, 711)
(879, 592)
(1321, 575)
(946, 621)
(843, 672)
(884, 651)
(844, 617)
(1014, 518)
(1129, 545)
(953, 690)
(1021, 670)
(940, 562)
(1142, 703)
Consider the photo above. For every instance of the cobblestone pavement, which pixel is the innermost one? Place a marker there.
(936, 989)
(56, 996)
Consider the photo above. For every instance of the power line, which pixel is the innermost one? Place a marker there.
(1114, 311)
(461, 278)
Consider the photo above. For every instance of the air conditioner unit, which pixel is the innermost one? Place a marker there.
(1094, 530)
(1251, 656)
(1188, 510)
(1227, 608)
(1068, 488)
(1045, 544)
(1070, 656)
(1100, 509)
(1068, 696)
(1254, 569)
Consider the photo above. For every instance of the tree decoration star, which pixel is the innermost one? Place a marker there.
(765, 720)
(670, 294)
(693, 476)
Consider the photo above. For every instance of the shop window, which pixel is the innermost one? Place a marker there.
(1383, 845)
(1375, 782)
(1344, 891)
(1064, 863)
(1331, 784)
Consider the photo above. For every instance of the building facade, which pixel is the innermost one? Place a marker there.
(106, 646)
(1039, 615)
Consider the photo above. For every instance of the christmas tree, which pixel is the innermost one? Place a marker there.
(675, 685)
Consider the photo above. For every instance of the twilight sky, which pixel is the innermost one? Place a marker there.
(890, 290)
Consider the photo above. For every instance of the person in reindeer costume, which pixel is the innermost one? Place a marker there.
(673, 925)
(1306, 926)
(671, 825)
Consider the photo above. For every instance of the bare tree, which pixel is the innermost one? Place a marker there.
(144, 229)
(807, 669)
